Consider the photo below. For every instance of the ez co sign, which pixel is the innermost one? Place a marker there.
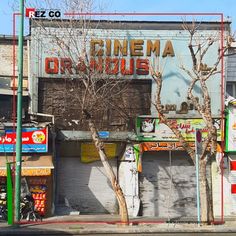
(42, 13)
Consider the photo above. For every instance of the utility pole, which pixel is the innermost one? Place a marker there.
(19, 115)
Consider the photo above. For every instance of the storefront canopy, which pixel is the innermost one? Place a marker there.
(31, 165)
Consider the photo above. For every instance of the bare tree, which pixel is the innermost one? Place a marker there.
(199, 75)
(97, 89)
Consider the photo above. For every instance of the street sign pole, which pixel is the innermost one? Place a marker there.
(10, 219)
(198, 191)
(198, 146)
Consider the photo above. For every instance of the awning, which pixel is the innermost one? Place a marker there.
(75, 135)
(31, 165)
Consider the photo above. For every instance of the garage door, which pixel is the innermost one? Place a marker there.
(85, 187)
(162, 197)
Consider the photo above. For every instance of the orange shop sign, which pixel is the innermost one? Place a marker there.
(163, 146)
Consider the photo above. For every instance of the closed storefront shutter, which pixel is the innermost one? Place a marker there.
(167, 185)
(84, 187)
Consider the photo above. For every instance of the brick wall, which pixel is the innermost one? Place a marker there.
(61, 98)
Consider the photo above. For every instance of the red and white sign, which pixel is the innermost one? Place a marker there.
(28, 137)
(42, 13)
(33, 140)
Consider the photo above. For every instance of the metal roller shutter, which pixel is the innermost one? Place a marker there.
(85, 187)
(162, 197)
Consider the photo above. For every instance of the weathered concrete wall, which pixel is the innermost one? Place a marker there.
(53, 41)
(6, 58)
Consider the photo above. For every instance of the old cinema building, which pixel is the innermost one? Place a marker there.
(157, 176)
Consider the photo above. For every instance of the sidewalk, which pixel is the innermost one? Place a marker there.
(108, 224)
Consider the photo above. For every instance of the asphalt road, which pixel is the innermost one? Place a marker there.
(177, 234)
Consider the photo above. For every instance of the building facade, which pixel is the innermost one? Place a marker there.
(230, 157)
(37, 157)
(134, 138)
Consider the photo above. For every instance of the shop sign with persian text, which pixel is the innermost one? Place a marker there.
(149, 129)
(34, 140)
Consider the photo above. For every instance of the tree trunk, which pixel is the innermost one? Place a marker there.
(205, 196)
(110, 173)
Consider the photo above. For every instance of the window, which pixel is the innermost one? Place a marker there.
(231, 88)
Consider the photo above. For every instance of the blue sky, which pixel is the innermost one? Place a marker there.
(227, 7)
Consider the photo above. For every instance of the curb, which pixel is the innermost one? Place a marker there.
(80, 229)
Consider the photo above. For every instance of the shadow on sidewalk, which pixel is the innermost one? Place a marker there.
(32, 229)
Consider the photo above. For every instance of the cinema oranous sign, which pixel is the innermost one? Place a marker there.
(113, 57)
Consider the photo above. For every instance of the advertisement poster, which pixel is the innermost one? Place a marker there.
(230, 139)
(89, 152)
(34, 140)
(149, 129)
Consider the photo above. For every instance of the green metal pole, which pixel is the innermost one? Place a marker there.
(9, 196)
(19, 115)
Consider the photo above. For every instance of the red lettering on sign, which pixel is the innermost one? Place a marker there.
(142, 67)
(233, 188)
(96, 65)
(51, 65)
(66, 64)
(108, 65)
(112, 66)
(125, 71)
(29, 12)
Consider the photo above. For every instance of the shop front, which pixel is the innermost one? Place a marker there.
(167, 178)
(37, 166)
(224, 168)
(167, 184)
(37, 173)
(82, 183)
(158, 180)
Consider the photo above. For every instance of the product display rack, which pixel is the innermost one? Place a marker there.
(3, 198)
(38, 188)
